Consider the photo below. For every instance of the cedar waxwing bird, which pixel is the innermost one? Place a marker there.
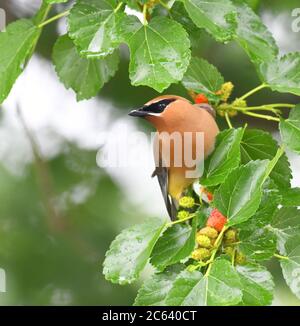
(172, 115)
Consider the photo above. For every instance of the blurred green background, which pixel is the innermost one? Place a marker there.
(59, 210)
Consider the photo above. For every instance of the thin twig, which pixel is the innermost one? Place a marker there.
(254, 90)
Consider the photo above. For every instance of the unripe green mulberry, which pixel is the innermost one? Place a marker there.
(229, 251)
(230, 236)
(209, 231)
(200, 254)
(240, 258)
(226, 91)
(183, 215)
(203, 240)
(232, 113)
(239, 103)
(187, 202)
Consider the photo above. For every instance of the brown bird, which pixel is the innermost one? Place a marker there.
(175, 115)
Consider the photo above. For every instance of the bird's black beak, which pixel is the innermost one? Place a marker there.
(138, 113)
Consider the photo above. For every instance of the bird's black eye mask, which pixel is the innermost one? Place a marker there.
(155, 108)
(158, 107)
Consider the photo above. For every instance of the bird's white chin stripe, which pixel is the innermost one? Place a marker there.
(155, 114)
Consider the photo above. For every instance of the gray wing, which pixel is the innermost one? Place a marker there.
(162, 177)
(207, 108)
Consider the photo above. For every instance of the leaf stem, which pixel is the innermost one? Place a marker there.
(261, 116)
(228, 120)
(217, 245)
(233, 257)
(273, 162)
(40, 16)
(254, 90)
(191, 268)
(253, 108)
(42, 13)
(183, 220)
(164, 5)
(118, 7)
(265, 107)
(281, 105)
(54, 18)
(145, 14)
(281, 257)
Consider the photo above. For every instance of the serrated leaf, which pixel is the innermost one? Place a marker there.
(257, 284)
(85, 76)
(221, 287)
(260, 145)
(291, 266)
(282, 74)
(178, 13)
(238, 198)
(285, 224)
(159, 52)
(225, 157)
(259, 244)
(175, 244)
(154, 290)
(203, 77)
(290, 129)
(291, 197)
(254, 36)
(271, 198)
(16, 45)
(130, 251)
(218, 17)
(94, 27)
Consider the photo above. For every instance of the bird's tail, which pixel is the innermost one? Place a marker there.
(171, 204)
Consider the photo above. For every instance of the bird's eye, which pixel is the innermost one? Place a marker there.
(159, 106)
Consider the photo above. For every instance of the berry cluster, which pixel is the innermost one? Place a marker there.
(208, 236)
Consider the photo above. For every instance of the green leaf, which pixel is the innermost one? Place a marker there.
(55, 1)
(178, 13)
(85, 76)
(159, 52)
(202, 215)
(225, 157)
(134, 4)
(260, 145)
(221, 287)
(239, 196)
(257, 284)
(286, 224)
(291, 266)
(259, 244)
(290, 129)
(154, 290)
(291, 197)
(282, 74)
(176, 243)
(271, 198)
(218, 17)
(16, 45)
(254, 37)
(130, 251)
(202, 77)
(94, 27)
